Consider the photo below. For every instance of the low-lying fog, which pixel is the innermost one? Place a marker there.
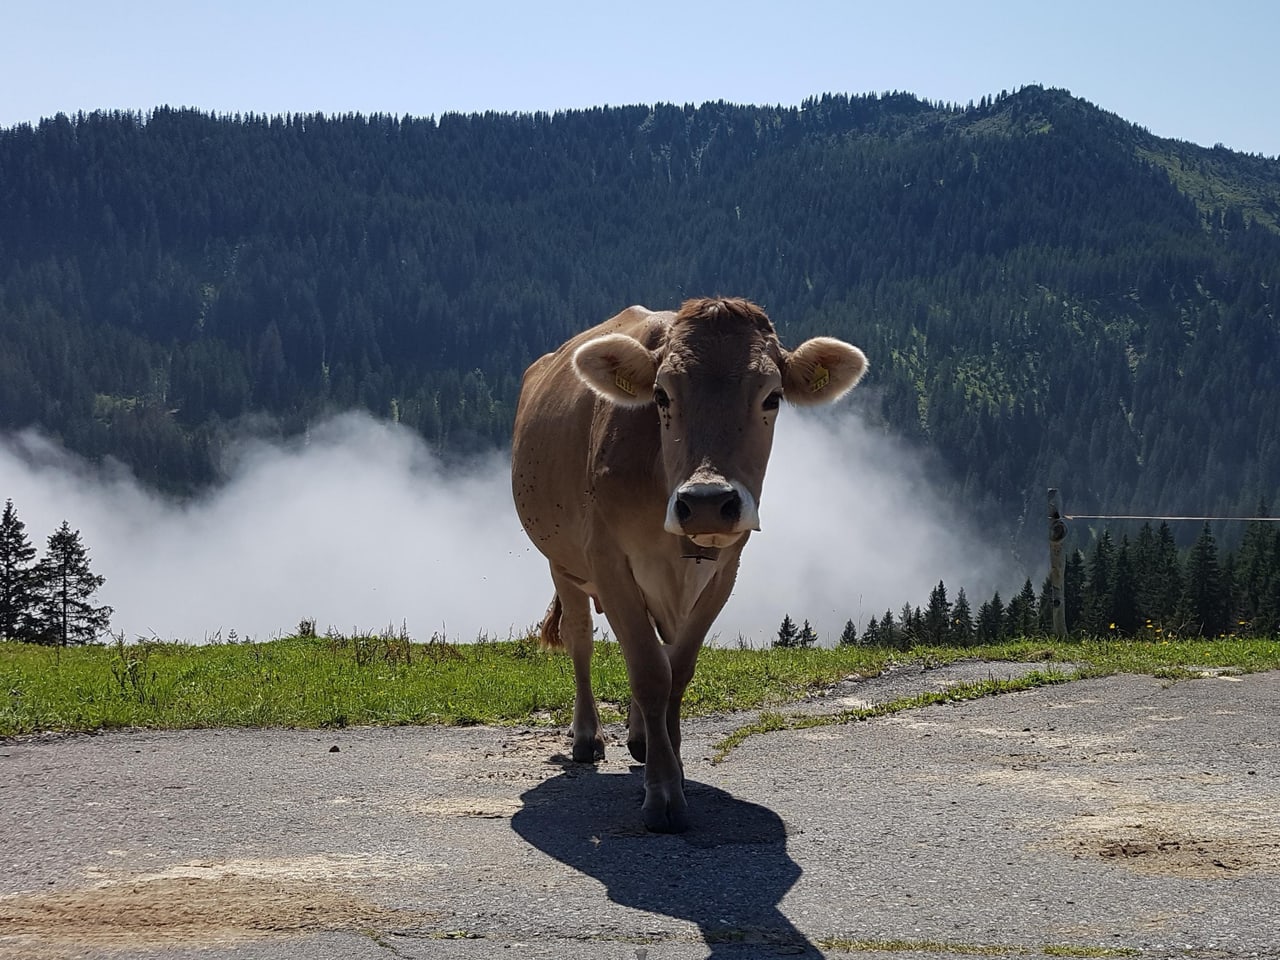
(360, 527)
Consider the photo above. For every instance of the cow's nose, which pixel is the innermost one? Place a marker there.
(708, 507)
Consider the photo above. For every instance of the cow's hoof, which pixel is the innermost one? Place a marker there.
(588, 749)
(666, 816)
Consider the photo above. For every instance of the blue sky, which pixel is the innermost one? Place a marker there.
(1197, 71)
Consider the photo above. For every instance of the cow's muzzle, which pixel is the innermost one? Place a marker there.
(711, 513)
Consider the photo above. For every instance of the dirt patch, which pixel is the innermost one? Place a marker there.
(189, 904)
(1181, 843)
(484, 808)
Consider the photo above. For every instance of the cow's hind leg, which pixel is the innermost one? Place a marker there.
(635, 731)
(575, 636)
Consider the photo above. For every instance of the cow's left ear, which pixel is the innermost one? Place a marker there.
(821, 370)
(618, 368)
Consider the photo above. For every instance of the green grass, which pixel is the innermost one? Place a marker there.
(385, 680)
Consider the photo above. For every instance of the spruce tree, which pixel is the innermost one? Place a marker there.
(849, 636)
(1073, 589)
(991, 620)
(66, 586)
(1256, 566)
(806, 637)
(1020, 616)
(788, 635)
(890, 633)
(961, 620)
(937, 617)
(871, 636)
(1125, 611)
(1204, 599)
(1098, 592)
(18, 597)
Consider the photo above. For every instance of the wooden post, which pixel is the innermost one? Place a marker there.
(1057, 534)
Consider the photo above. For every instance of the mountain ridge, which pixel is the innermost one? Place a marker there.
(1049, 293)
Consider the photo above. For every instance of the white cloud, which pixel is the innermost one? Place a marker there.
(360, 526)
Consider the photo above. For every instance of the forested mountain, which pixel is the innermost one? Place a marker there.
(1048, 294)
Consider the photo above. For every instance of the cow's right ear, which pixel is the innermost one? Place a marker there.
(618, 368)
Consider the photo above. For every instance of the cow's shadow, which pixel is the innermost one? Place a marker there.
(727, 874)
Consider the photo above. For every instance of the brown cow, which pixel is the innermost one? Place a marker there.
(637, 462)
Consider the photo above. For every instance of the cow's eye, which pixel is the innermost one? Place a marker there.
(772, 401)
(660, 398)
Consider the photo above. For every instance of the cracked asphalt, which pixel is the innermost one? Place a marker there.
(1126, 816)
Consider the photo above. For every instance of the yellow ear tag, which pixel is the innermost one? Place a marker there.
(821, 377)
(623, 384)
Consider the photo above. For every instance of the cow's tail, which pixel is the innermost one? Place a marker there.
(550, 633)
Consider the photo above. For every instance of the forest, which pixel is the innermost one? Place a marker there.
(1049, 295)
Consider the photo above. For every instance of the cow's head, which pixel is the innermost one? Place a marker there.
(715, 377)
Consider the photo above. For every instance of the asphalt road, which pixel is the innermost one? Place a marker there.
(1121, 817)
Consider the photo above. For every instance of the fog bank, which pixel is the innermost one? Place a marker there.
(360, 526)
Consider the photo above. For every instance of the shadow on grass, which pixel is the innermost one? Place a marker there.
(727, 874)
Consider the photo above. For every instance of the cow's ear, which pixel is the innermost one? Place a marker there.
(618, 368)
(821, 370)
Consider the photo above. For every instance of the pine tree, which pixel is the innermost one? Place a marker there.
(1098, 593)
(788, 635)
(910, 622)
(1256, 566)
(18, 597)
(1204, 599)
(1169, 578)
(871, 636)
(1044, 608)
(1020, 617)
(961, 620)
(65, 585)
(849, 636)
(1073, 589)
(936, 629)
(990, 627)
(806, 638)
(1124, 593)
(890, 633)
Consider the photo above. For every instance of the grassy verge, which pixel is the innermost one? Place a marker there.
(336, 681)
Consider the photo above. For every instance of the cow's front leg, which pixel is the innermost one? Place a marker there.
(683, 657)
(665, 809)
(649, 670)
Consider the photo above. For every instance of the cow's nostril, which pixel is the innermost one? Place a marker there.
(683, 511)
(731, 509)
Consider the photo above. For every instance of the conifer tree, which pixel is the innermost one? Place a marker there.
(1098, 592)
(1073, 589)
(1204, 599)
(788, 635)
(871, 635)
(1125, 611)
(1020, 617)
(1044, 608)
(849, 636)
(66, 585)
(806, 637)
(961, 620)
(990, 628)
(890, 633)
(1169, 579)
(937, 617)
(1257, 565)
(18, 597)
(1268, 618)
